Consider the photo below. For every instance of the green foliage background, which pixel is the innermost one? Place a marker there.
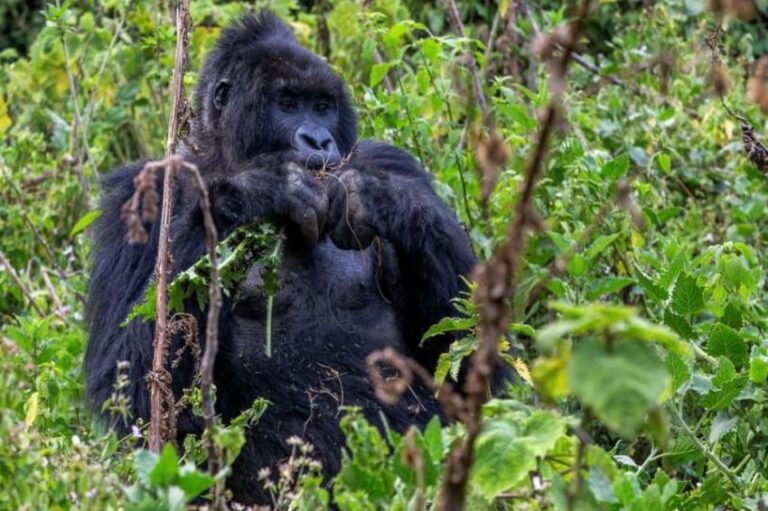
(650, 343)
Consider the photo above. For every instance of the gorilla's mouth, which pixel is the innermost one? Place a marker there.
(320, 160)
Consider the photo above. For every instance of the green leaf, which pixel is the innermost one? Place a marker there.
(167, 467)
(84, 222)
(724, 341)
(577, 265)
(651, 289)
(607, 285)
(678, 369)
(673, 272)
(600, 244)
(600, 485)
(616, 167)
(665, 162)
(192, 481)
(378, 72)
(726, 385)
(679, 324)
(448, 325)
(506, 450)
(621, 384)
(758, 369)
(688, 297)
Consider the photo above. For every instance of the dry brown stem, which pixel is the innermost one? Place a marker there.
(496, 284)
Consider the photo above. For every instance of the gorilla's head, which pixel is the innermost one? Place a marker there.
(260, 92)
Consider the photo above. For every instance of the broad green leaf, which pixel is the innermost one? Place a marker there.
(726, 385)
(652, 290)
(679, 324)
(506, 450)
(378, 72)
(193, 481)
(167, 467)
(600, 485)
(616, 167)
(688, 297)
(724, 341)
(577, 265)
(621, 384)
(607, 285)
(678, 369)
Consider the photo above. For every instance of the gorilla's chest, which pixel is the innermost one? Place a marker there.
(329, 303)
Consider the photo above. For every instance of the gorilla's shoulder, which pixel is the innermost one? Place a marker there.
(375, 154)
(122, 177)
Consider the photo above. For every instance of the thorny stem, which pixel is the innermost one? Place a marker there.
(495, 286)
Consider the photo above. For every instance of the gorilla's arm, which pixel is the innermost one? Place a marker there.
(385, 192)
(122, 271)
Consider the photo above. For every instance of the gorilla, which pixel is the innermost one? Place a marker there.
(371, 258)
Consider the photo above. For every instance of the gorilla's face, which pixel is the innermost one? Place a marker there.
(261, 93)
(309, 122)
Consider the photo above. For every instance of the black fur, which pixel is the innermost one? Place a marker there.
(340, 296)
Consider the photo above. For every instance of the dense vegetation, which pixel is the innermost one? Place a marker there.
(640, 316)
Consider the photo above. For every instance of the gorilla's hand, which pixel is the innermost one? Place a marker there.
(349, 217)
(284, 191)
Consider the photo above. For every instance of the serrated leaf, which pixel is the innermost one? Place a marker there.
(676, 267)
(651, 289)
(679, 324)
(621, 385)
(688, 297)
(448, 325)
(506, 450)
(721, 425)
(678, 369)
(724, 341)
(607, 285)
(726, 385)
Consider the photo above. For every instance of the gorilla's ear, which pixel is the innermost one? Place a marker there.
(221, 94)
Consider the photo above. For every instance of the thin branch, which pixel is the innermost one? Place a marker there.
(162, 267)
(453, 11)
(706, 451)
(20, 283)
(215, 461)
(78, 121)
(496, 286)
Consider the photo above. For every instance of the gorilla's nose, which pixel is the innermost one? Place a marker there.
(316, 146)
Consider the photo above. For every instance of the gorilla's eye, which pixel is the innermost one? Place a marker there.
(322, 106)
(289, 105)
